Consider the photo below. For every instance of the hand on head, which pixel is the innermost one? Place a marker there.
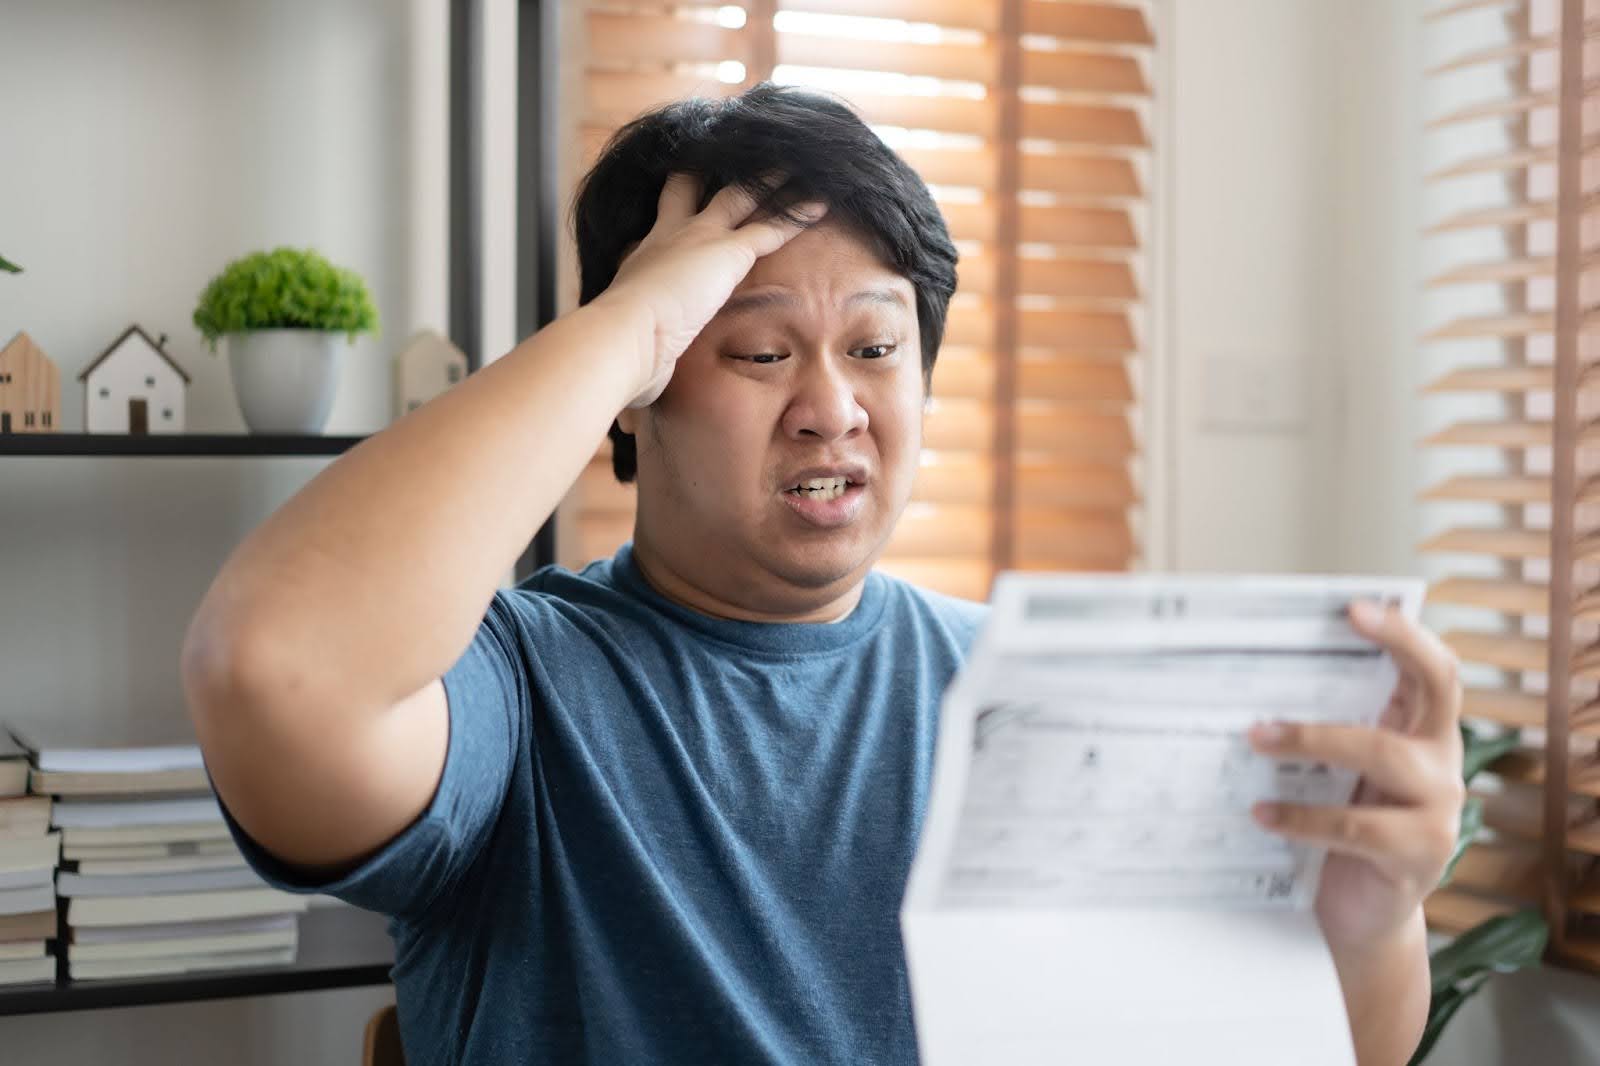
(689, 263)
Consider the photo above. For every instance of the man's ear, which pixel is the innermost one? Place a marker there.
(628, 420)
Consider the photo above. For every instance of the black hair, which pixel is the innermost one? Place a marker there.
(826, 153)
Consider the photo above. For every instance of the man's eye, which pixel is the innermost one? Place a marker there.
(875, 351)
(763, 358)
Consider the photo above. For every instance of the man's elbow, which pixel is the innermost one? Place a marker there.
(226, 670)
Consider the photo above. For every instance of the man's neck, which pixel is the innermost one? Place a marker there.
(682, 590)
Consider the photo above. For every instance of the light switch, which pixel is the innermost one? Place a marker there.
(1254, 393)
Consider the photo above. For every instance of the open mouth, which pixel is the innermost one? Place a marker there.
(821, 488)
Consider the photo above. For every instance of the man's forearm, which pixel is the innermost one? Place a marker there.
(370, 581)
(1386, 992)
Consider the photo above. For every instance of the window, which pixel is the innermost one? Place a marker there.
(1514, 541)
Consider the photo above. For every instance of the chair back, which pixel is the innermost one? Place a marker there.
(381, 1046)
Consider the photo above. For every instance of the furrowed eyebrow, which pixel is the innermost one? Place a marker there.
(756, 301)
(892, 297)
(760, 301)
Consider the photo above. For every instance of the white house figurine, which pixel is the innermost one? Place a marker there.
(427, 366)
(134, 387)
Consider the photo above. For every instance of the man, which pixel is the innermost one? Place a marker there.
(663, 810)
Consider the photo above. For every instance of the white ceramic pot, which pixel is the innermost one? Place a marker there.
(284, 379)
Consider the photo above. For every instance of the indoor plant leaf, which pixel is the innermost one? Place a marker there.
(1500, 945)
(1471, 822)
(8, 266)
(1479, 749)
(286, 288)
(1462, 967)
(1440, 1011)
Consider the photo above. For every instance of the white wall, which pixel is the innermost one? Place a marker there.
(1250, 272)
(1293, 273)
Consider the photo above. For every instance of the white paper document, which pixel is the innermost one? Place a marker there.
(1090, 886)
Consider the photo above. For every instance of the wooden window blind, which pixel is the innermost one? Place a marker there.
(1516, 508)
(1029, 120)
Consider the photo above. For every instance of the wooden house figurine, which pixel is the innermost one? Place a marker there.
(134, 387)
(427, 366)
(30, 388)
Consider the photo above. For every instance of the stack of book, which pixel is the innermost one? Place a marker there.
(29, 854)
(152, 882)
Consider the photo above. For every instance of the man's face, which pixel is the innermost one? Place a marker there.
(773, 468)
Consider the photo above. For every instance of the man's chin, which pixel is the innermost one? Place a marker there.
(816, 567)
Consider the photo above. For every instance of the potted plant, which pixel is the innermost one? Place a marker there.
(1499, 945)
(8, 266)
(283, 313)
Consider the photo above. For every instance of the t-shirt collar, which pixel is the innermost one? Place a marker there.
(782, 638)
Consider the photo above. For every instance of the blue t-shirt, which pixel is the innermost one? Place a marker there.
(667, 838)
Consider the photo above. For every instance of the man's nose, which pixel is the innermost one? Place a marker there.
(824, 404)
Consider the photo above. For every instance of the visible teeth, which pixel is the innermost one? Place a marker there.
(822, 488)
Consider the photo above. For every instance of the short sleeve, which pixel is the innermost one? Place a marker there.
(487, 694)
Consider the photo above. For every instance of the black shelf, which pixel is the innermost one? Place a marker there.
(157, 444)
(340, 947)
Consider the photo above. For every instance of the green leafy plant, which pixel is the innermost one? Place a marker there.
(8, 266)
(1500, 945)
(286, 288)
(1478, 751)
(1460, 968)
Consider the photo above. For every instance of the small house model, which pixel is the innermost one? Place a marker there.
(134, 387)
(427, 366)
(30, 388)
